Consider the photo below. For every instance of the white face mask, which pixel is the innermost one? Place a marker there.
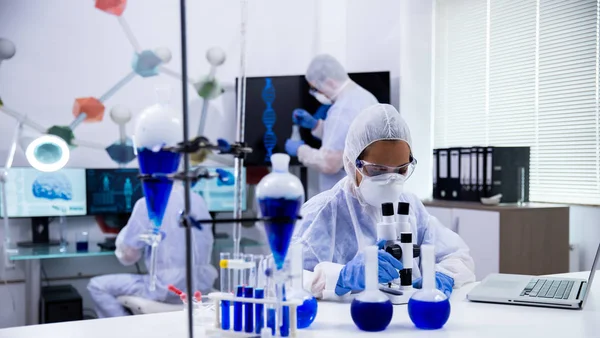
(381, 189)
(322, 98)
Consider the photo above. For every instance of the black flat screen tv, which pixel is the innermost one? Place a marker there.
(270, 101)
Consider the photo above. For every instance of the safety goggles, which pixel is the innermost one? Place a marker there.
(374, 170)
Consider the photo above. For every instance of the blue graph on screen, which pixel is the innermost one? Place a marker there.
(268, 118)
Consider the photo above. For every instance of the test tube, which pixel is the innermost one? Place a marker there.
(225, 288)
(257, 271)
(271, 318)
(250, 275)
(259, 293)
(261, 278)
(235, 274)
(249, 272)
(237, 309)
(269, 265)
(248, 310)
(285, 317)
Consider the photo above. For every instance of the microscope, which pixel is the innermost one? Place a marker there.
(398, 237)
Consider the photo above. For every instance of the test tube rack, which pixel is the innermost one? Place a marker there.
(218, 297)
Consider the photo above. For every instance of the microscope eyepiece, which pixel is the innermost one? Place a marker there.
(387, 209)
(403, 208)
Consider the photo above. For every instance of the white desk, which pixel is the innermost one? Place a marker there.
(333, 320)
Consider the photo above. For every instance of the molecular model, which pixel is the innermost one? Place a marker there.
(146, 63)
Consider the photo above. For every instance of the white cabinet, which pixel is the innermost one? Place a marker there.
(481, 232)
(444, 215)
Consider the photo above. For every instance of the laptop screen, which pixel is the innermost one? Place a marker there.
(591, 278)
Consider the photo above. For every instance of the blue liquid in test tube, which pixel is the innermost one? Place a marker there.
(226, 288)
(237, 310)
(225, 315)
(271, 320)
(285, 322)
(259, 312)
(248, 311)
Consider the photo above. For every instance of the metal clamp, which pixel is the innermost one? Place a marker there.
(186, 220)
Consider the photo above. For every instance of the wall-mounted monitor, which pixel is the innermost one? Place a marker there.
(270, 102)
(112, 191)
(32, 193)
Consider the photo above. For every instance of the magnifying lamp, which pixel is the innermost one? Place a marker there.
(45, 153)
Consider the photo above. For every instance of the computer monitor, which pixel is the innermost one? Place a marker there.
(219, 196)
(32, 193)
(270, 102)
(112, 191)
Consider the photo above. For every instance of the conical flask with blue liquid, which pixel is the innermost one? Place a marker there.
(280, 196)
(157, 127)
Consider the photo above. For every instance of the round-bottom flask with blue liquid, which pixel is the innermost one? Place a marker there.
(307, 312)
(428, 308)
(371, 310)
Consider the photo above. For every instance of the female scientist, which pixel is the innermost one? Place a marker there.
(104, 290)
(337, 224)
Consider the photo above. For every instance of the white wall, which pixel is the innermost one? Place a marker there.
(396, 36)
(69, 49)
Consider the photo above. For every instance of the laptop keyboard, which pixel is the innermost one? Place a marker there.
(547, 288)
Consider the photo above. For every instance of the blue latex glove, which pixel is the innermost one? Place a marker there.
(291, 146)
(321, 113)
(352, 276)
(443, 283)
(225, 177)
(303, 118)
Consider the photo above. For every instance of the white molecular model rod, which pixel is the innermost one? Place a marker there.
(24, 119)
(118, 86)
(87, 144)
(129, 34)
(173, 74)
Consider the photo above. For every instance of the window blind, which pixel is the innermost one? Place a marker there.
(523, 73)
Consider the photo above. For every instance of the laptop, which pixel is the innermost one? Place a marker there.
(566, 293)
